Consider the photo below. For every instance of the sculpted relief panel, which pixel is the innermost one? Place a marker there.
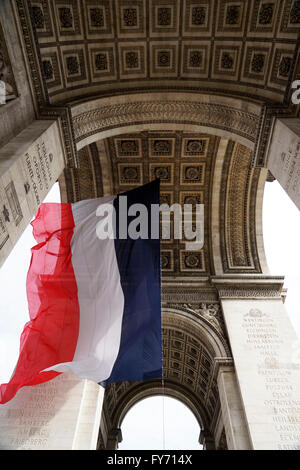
(8, 89)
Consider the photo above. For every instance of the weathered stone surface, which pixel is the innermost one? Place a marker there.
(63, 414)
(29, 165)
(266, 353)
(284, 156)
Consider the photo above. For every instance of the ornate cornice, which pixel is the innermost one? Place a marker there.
(249, 287)
(223, 362)
(187, 294)
(269, 113)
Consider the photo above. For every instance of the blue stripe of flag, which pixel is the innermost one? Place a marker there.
(140, 354)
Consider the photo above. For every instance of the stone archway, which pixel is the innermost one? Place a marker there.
(233, 196)
(194, 348)
(230, 95)
(143, 391)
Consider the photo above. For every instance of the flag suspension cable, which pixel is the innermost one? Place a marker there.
(163, 413)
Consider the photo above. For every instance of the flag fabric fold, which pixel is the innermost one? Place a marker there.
(94, 304)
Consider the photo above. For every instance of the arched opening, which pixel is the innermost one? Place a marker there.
(281, 228)
(192, 348)
(160, 422)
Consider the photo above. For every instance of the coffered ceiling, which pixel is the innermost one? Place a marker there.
(242, 47)
(185, 163)
(113, 61)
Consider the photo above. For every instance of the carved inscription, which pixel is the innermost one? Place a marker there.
(277, 374)
(39, 169)
(28, 179)
(3, 233)
(40, 417)
(291, 168)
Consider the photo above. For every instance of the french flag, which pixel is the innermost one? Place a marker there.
(94, 304)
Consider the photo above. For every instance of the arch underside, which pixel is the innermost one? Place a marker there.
(184, 92)
(115, 46)
(195, 167)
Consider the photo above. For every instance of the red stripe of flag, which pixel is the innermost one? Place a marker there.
(50, 337)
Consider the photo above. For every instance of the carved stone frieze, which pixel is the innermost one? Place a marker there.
(252, 292)
(249, 287)
(8, 90)
(235, 121)
(210, 312)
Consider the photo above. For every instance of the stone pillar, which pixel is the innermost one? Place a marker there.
(283, 156)
(29, 165)
(63, 414)
(266, 353)
(207, 440)
(114, 438)
(237, 435)
(89, 417)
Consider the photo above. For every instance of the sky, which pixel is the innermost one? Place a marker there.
(156, 422)
(281, 229)
(174, 427)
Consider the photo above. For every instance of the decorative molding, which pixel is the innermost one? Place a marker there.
(238, 211)
(210, 312)
(85, 182)
(63, 114)
(253, 292)
(267, 118)
(230, 119)
(254, 287)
